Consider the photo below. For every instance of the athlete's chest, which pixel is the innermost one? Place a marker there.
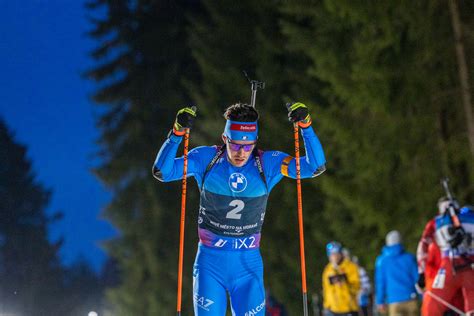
(226, 179)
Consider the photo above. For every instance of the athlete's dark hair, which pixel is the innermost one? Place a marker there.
(241, 112)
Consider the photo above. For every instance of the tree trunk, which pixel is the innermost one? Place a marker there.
(463, 73)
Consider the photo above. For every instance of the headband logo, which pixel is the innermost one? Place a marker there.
(243, 127)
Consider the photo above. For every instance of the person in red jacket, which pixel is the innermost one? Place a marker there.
(428, 255)
(442, 262)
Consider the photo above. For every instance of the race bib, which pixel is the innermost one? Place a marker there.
(438, 282)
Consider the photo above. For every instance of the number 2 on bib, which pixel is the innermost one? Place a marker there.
(238, 206)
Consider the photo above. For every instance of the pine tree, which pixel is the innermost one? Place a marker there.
(396, 127)
(29, 266)
(143, 66)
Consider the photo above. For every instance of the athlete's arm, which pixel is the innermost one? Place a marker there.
(313, 164)
(167, 167)
(278, 164)
(423, 245)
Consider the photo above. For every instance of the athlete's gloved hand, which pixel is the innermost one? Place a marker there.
(184, 119)
(457, 235)
(421, 283)
(298, 113)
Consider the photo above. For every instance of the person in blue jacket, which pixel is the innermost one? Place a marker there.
(234, 180)
(396, 273)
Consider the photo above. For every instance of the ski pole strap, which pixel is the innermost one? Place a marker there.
(218, 154)
(258, 159)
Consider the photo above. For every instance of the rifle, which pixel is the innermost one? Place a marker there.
(452, 203)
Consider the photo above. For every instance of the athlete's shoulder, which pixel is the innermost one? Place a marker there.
(467, 210)
(205, 150)
(273, 161)
(431, 224)
(466, 214)
(204, 153)
(273, 155)
(442, 220)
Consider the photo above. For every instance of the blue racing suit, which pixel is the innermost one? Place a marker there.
(232, 208)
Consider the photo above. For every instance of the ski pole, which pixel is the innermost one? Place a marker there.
(182, 221)
(300, 218)
(439, 299)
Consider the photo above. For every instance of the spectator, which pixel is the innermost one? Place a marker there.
(365, 290)
(273, 307)
(365, 287)
(396, 274)
(340, 283)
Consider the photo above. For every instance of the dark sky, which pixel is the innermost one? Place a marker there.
(45, 102)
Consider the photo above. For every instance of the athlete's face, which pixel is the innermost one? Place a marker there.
(238, 151)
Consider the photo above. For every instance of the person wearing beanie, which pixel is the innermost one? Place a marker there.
(341, 283)
(234, 180)
(396, 274)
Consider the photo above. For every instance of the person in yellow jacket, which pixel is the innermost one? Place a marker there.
(341, 283)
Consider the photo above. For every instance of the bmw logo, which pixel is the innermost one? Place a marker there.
(237, 182)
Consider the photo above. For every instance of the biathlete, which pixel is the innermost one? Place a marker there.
(454, 277)
(235, 180)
